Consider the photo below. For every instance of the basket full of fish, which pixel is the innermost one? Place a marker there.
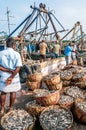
(66, 101)
(46, 97)
(81, 85)
(79, 110)
(66, 75)
(81, 77)
(34, 81)
(74, 92)
(34, 108)
(17, 120)
(56, 118)
(74, 69)
(53, 81)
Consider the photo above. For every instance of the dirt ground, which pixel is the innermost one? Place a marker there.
(24, 97)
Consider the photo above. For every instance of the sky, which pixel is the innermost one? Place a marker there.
(68, 12)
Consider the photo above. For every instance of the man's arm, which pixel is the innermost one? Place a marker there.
(6, 70)
(9, 80)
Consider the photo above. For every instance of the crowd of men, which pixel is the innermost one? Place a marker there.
(51, 49)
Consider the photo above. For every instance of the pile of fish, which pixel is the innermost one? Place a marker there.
(81, 106)
(66, 75)
(76, 70)
(56, 119)
(79, 77)
(71, 74)
(17, 120)
(41, 92)
(74, 92)
(66, 101)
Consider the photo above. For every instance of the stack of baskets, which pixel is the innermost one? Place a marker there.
(53, 81)
(68, 74)
(34, 81)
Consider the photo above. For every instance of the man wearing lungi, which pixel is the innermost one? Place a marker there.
(9, 78)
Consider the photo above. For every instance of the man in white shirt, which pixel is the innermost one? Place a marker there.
(9, 82)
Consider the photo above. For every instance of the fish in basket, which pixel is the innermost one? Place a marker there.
(56, 118)
(74, 92)
(52, 79)
(46, 97)
(66, 101)
(66, 75)
(17, 120)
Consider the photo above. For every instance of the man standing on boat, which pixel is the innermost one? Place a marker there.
(42, 48)
(9, 82)
(68, 52)
(57, 49)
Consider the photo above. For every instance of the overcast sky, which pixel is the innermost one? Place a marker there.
(68, 12)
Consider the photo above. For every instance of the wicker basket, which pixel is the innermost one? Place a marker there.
(52, 108)
(35, 110)
(6, 115)
(52, 80)
(81, 85)
(66, 75)
(76, 70)
(35, 77)
(49, 99)
(56, 86)
(74, 92)
(66, 103)
(79, 77)
(66, 83)
(79, 114)
(33, 85)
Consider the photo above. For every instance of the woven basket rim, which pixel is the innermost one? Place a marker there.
(48, 95)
